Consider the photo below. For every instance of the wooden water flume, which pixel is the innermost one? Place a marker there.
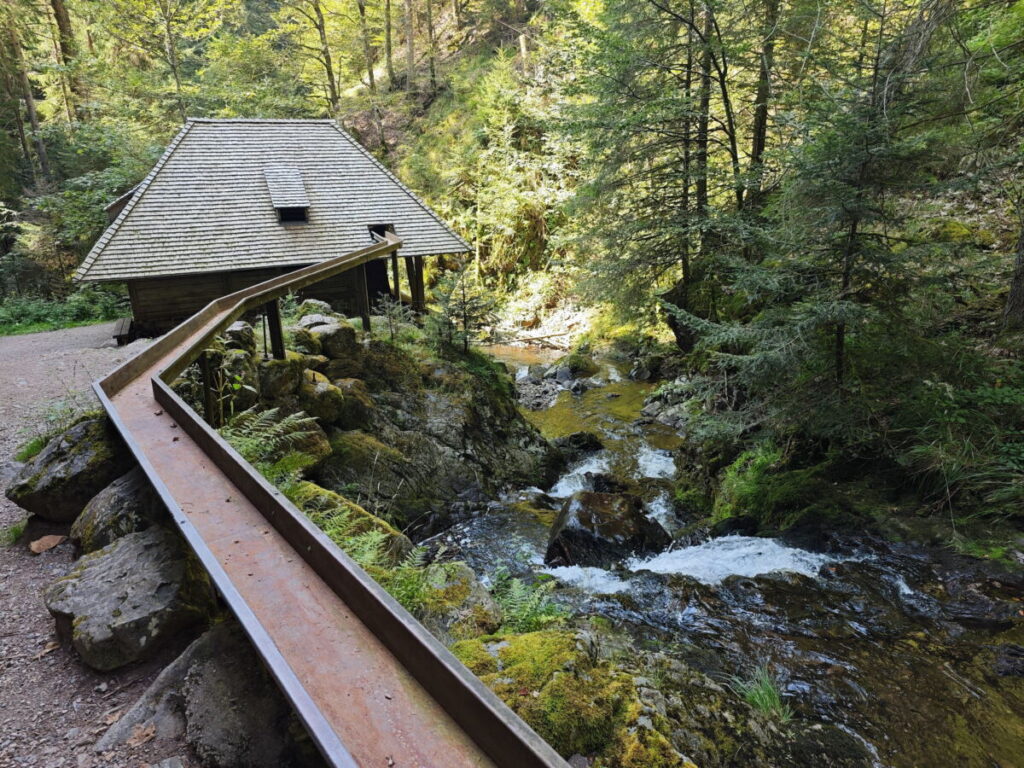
(372, 686)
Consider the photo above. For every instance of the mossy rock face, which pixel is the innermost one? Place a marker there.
(127, 505)
(456, 605)
(596, 529)
(74, 466)
(280, 378)
(121, 603)
(579, 705)
(574, 366)
(337, 515)
(302, 340)
(358, 409)
(338, 341)
(387, 366)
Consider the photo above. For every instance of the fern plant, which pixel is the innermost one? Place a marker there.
(525, 607)
(264, 436)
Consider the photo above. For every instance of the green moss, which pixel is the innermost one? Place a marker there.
(32, 448)
(642, 748)
(10, 534)
(545, 517)
(361, 451)
(331, 511)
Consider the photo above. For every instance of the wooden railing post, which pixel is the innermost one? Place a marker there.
(209, 390)
(273, 310)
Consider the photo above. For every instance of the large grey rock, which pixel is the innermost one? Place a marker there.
(127, 505)
(118, 604)
(279, 378)
(596, 529)
(338, 341)
(315, 319)
(72, 468)
(240, 335)
(219, 697)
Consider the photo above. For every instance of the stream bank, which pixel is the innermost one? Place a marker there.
(892, 654)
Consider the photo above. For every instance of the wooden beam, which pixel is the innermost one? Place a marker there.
(421, 292)
(363, 296)
(396, 287)
(410, 272)
(273, 310)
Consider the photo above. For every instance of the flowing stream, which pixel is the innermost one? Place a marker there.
(917, 652)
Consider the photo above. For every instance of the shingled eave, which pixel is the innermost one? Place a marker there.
(465, 246)
(82, 273)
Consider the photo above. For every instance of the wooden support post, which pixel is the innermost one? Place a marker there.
(396, 286)
(363, 296)
(410, 272)
(273, 310)
(209, 390)
(421, 292)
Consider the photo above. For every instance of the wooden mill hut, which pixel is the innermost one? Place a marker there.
(234, 202)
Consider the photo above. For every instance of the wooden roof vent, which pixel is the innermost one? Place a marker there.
(287, 194)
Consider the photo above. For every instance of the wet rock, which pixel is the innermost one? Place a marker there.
(72, 468)
(597, 529)
(1009, 661)
(219, 697)
(316, 319)
(978, 611)
(127, 505)
(577, 445)
(338, 341)
(279, 378)
(241, 336)
(574, 366)
(118, 604)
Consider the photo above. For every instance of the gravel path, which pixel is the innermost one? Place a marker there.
(53, 708)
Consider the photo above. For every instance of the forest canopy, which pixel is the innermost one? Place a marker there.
(820, 203)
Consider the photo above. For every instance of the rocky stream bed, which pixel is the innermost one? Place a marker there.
(886, 654)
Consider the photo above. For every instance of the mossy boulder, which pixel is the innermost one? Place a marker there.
(127, 505)
(241, 336)
(319, 398)
(74, 466)
(315, 307)
(577, 445)
(241, 378)
(316, 319)
(358, 407)
(579, 704)
(302, 340)
(338, 340)
(121, 603)
(456, 605)
(280, 378)
(574, 366)
(596, 529)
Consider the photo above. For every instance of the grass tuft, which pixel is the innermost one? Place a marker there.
(761, 691)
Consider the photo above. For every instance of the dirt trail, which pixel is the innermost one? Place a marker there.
(52, 708)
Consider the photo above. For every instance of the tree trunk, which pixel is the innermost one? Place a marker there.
(171, 49)
(703, 117)
(30, 102)
(431, 52)
(68, 48)
(759, 129)
(1013, 315)
(325, 58)
(410, 45)
(364, 32)
(389, 58)
(457, 13)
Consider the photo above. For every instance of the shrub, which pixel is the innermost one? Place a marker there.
(761, 692)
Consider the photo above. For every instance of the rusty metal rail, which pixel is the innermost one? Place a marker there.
(371, 685)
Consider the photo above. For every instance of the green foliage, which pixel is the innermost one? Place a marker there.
(761, 691)
(264, 436)
(465, 306)
(89, 304)
(10, 534)
(525, 607)
(31, 448)
(397, 314)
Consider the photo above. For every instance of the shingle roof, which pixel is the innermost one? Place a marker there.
(206, 206)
